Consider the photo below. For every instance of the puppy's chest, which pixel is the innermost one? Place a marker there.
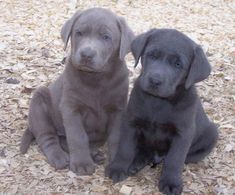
(93, 116)
(157, 135)
(95, 119)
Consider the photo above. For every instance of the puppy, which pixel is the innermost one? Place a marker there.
(165, 119)
(83, 107)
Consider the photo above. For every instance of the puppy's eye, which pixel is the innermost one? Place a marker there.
(106, 37)
(154, 55)
(178, 64)
(78, 33)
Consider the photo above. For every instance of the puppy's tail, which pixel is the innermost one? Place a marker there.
(26, 141)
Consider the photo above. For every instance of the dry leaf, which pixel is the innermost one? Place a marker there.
(125, 190)
(31, 52)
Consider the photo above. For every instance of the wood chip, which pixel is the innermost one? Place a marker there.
(31, 51)
(125, 190)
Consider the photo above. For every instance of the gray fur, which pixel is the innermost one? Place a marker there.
(83, 107)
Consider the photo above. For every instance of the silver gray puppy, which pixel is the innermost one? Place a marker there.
(83, 107)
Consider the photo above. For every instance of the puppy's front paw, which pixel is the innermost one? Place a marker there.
(81, 167)
(116, 173)
(170, 185)
(58, 158)
(137, 165)
(98, 157)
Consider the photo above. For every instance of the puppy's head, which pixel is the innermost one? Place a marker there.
(96, 36)
(169, 59)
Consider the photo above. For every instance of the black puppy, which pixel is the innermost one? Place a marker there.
(165, 119)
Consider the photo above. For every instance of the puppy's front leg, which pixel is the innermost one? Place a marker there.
(114, 133)
(171, 177)
(78, 143)
(117, 170)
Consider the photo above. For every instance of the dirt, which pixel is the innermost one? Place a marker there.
(31, 52)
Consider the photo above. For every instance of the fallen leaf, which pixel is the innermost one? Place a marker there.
(125, 190)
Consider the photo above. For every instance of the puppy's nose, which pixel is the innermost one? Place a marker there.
(88, 53)
(155, 80)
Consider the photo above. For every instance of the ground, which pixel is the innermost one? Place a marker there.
(30, 54)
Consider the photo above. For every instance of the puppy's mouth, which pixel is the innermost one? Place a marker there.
(88, 69)
(157, 92)
(91, 67)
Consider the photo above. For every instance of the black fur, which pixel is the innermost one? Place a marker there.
(165, 119)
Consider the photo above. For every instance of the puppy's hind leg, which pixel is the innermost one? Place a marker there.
(26, 140)
(204, 145)
(42, 127)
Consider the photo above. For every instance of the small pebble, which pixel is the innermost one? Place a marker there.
(12, 81)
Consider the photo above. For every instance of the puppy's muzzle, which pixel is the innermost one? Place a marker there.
(87, 54)
(155, 80)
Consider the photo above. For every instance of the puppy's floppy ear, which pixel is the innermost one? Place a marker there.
(138, 45)
(127, 37)
(67, 28)
(199, 69)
